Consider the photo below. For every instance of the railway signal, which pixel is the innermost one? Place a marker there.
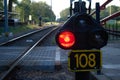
(84, 36)
(66, 39)
(81, 31)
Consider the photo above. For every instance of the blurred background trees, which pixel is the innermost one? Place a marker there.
(25, 8)
(1, 4)
(64, 14)
(104, 13)
(110, 10)
(36, 10)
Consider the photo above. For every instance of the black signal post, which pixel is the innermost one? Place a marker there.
(6, 28)
(40, 21)
(84, 35)
(71, 7)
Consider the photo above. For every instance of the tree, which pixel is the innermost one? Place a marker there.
(1, 4)
(36, 9)
(23, 9)
(43, 10)
(11, 4)
(109, 10)
(64, 14)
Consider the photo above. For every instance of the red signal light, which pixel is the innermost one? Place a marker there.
(66, 39)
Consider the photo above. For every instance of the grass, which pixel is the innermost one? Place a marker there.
(19, 29)
(50, 23)
(23, 28)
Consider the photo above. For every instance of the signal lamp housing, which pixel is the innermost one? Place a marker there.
(65, 39)
(80, 32)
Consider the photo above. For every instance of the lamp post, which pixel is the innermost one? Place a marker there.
(71, 7)
(5, 18)
(51, 10)
(51, 4)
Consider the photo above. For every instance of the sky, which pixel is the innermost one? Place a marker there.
(59, 5)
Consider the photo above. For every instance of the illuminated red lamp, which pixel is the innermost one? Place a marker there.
(66, 39)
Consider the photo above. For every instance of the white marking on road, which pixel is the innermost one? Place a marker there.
(112, 74)
(112, 66)
(29, 41)
(57, 56)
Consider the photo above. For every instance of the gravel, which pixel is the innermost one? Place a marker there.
(62, 74)
(58, 74)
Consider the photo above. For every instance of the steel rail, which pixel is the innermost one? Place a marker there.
(22, 36)
(115, 33)
(110, 17)
(24, 54)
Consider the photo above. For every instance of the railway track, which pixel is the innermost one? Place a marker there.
(29, 45)
(112, 32)
(27, 39)
(34, 38)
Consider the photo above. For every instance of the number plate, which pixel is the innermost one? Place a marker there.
(84, 60)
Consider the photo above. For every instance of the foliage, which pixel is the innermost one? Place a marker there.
(41, 9)
(24, 10)
(36, 10)
(22, 28)
(10, 4)
(104, 13)
(18, 29)
(109, 10)
(1, 4)
(64, 14)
